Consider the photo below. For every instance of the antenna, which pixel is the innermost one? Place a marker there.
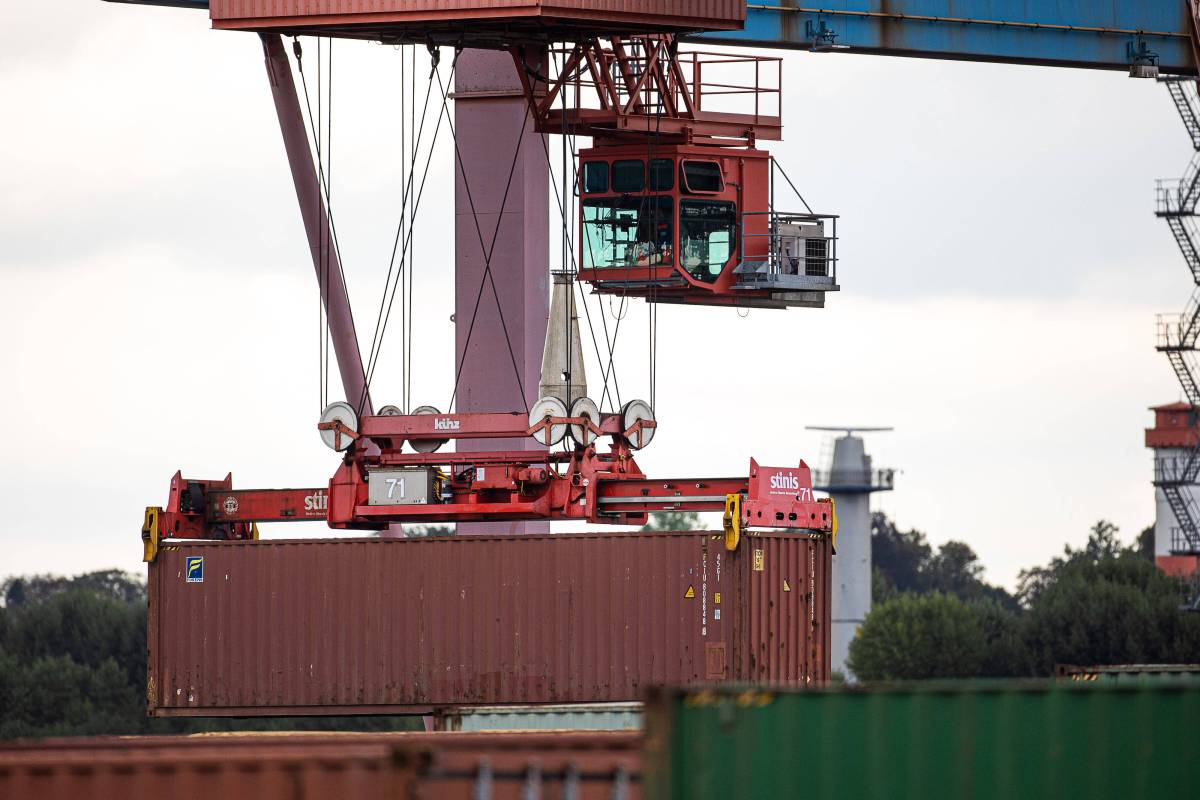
(849, 429)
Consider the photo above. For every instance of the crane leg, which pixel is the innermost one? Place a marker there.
(316, 222)
(489, 110)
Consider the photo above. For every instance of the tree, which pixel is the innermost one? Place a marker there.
(673, 521)
(1102, 544)
(918, 637)
(908, 563)
(1102, 603)
(1145, 543)
(33, 589)
(899, 555)
(1098, 607)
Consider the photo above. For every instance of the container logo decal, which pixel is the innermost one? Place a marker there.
(193, 569)
(690, 593)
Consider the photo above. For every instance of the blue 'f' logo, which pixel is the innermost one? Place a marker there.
(193, 569)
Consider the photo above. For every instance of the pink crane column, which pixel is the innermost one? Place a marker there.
(489, 112)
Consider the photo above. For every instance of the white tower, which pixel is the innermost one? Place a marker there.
(850, 480)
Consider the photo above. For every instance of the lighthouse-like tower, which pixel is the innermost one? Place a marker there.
(1175, 440)
(850, 480)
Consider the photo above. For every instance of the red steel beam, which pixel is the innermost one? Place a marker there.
(316, 223)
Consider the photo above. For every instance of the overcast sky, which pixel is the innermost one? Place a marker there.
(1001, 268)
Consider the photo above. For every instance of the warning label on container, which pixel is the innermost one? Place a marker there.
(690, 593)
(787, 587)
(716, 598)
(758, 560)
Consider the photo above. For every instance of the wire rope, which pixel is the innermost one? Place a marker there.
(487, 277)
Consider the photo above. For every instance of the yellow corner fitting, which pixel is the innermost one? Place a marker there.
(150, 534)
(833, 533)
(733, 521)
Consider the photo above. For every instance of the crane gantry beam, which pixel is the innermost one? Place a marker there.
(1090, 34)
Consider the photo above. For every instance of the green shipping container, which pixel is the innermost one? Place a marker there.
(1131, 673)
(967, 741)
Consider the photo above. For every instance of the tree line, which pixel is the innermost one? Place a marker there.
(934, 616)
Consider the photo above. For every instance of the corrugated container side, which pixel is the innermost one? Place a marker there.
(970, 740)
(395, 626)
(594, 717)
(667, 14)
(1130, 673)
(228, 769)
(323, 766)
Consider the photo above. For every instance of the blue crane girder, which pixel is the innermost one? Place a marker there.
(1096, 34)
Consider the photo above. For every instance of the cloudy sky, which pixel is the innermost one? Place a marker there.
(1001, 268)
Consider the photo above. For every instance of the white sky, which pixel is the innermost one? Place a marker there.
(1001, 268)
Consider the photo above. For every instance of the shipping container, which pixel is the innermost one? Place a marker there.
(375, 626)
(486, 22)
(970, 741)
(324, 766)
(1130, 673)
(224, 768)
(579, 716)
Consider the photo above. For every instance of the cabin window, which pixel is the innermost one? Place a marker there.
(628, 176)
(701, 177)
(662, 174)
(595, 177)
(628, 232)
(707, 231)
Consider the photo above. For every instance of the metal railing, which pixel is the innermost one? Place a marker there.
(790, 248)
(1180, 331)
(1181, 545)
(1177, 470)
(1180, 196)
(614, 77)
(875, 480)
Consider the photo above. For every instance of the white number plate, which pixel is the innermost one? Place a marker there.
(399, 487)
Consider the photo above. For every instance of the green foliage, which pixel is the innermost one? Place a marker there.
(673, 521)
(919, 636)
(1100, 604)
(907, 563)
(33, 589)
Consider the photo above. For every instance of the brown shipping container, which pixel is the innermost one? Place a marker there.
(373, 626)
(314, 766)
(477, 18)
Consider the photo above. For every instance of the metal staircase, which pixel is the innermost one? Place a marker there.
(1178, 334)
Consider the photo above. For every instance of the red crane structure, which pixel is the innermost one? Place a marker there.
(677, 206)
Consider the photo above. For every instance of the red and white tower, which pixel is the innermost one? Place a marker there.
(1175, 440)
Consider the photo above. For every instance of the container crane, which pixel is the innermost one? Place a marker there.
(709, 165)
